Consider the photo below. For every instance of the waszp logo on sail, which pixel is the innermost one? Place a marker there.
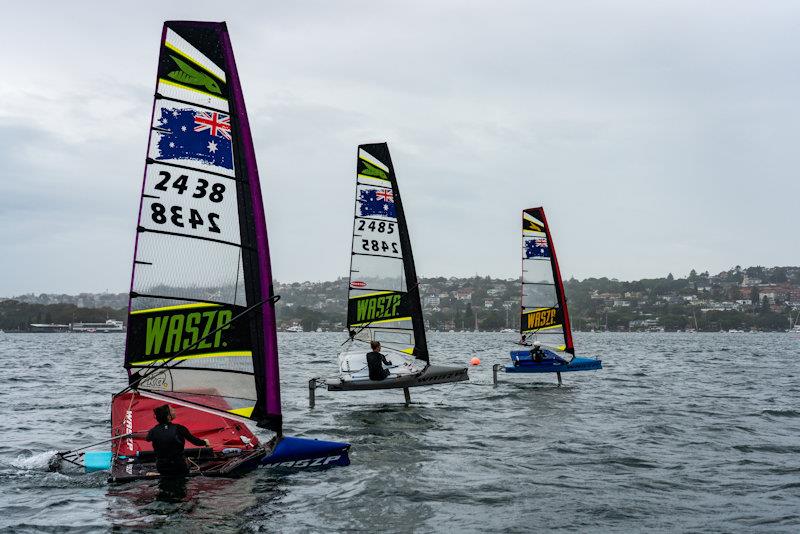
(541, 318)
(171, 333)
(379, 307)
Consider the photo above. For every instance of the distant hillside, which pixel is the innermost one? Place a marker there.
(753, 298)
(17, 316)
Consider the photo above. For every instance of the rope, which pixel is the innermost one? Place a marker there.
(446, 393)
(199, 470)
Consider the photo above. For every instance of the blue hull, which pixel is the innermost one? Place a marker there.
(551, 364)
(300, 452)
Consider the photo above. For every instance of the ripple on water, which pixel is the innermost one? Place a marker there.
(645, 444)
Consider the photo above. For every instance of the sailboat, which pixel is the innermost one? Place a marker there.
(544, 323)
(383, 293)
(201, 322)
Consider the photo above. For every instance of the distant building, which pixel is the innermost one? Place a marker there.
(748, 281)
(431, 300)
(463, 294)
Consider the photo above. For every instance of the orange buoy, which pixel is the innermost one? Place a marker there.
(475, 361)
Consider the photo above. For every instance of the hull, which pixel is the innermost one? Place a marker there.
(551, 364)
(429, 376)
(289, 452)
(301, 453)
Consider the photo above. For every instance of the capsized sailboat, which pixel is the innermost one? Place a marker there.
(383, 296)
(544, 323)
(201, 322)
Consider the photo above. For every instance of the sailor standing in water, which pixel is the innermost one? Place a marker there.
(374, 361)
(168, 440)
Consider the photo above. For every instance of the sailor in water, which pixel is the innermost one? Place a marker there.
(374, 361)
(168, 440)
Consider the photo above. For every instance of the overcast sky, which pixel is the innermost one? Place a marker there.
(659, 136)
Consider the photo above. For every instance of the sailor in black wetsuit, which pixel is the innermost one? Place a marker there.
(374, 361)
(168, 440)
(537, 354)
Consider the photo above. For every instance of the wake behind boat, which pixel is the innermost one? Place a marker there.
(544, 324)
(383, 299)
(201, 321)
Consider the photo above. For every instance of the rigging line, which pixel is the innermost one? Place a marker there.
(353, 336)
(554, 306)
(377, 255)
(73, 451)
(134, 294)
(387, 348)
(142, 229)
(373, 289)
(236, 287)
(164, 366)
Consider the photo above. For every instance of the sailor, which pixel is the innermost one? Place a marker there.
(524, 341)
(537, 354)
(374, 361)
(168, 440)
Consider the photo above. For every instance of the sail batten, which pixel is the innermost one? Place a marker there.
(201, 257)
(544, 307)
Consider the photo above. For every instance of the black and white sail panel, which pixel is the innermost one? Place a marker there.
(382, 304)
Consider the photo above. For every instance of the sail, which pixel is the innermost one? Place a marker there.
(383, 300)
(544, 308)
(201, 256)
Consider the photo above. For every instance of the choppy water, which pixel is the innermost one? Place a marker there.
(679, 432)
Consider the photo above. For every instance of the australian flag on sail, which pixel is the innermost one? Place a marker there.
(192, 134)
(537, 248)
(376, 202)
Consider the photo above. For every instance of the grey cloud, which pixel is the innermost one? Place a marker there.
(659, 137)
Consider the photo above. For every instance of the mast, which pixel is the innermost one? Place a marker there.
(201, 256)
(262, 273)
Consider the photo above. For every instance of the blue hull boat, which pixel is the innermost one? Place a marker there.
(551, 363)
(544, 323)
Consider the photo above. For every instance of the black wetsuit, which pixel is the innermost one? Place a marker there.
(376, 371)
(168, 441)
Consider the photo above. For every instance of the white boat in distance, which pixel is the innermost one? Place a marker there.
(110, 325)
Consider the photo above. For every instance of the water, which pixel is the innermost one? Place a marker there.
(679, 432)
